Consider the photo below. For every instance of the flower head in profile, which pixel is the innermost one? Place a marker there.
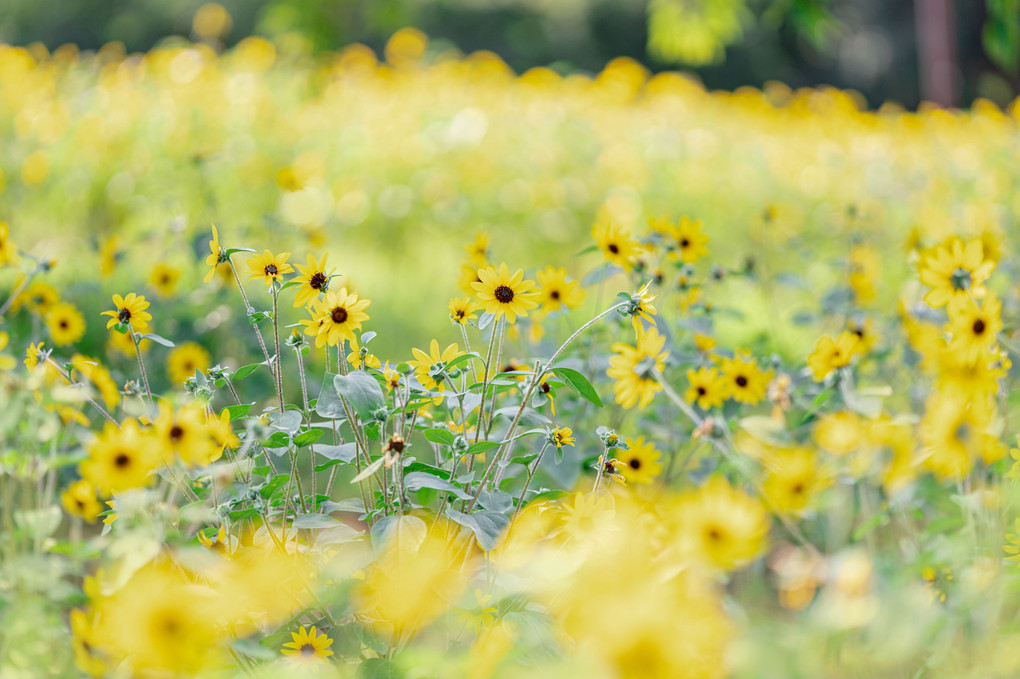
(269, 267)
(307, 646)
(617, 244)
(131, 311)
(503, 294)
(562, 436)
(216, 256)
(955, 270)
(463, 310)
(335, 317)
(314, 281)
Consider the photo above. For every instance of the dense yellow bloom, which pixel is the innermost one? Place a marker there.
(831, 354)
(955, 270)
(308, 647)
(463, 309)
(336, 316)
(504, 295)
(269, 267)
(314, 280)
(130, 310)
(80, 499)
(66, 324)
(708, 388)
(745, 381)
(640, 463)
(427, 366)
(617, 244)
(633, 368)
(164, 278)
(184, 360)
(120, 459)
(720, 525)
(555, 292)
(973, 326)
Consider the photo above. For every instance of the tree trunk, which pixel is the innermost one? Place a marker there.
(936, 53)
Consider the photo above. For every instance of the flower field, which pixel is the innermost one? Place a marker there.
(409, 366)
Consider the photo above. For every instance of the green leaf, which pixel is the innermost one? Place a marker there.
(548, 495)
(328, 404)
(463, 358)
(306, 438)
(417, 480)
(497, 500)
(279, 439)
(246, 370)
(481, 447)
(368, 471)
(158, 339)
(343, 453)
(578, 383)
(442, 436)
(488, 526)
(362, 391)
(316, 521)
(252, 649)
(237, 412)
(231, 251)
(378, 668)
(273, 485)
(289, 421)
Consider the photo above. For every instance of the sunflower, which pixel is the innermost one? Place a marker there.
(131, 311)
(80, 500)
(562, 436)
(632, 368)
(7, 362)
(617, 244)
(66, 324)
(469, 276)
(955, 435)
(504, 295)
(83, 644)
(8, 250)
(120, 459)
(831, 354)
(109, 253)
(839, 433)
(391, 376)
(216, 259)
(973, 326)
(555, 292)
(688, 242)
(478, 250)
(91, 370)
(336, 316)
(164, 278)
(973, 380)
(314, 280)
(359, 358)
(794, 479)
(639, 463)
(708, 388)
(864, 330)
(463, 309)
(721, 525)
(222, 433)
(184, 433)
(184, 360)
(746, 382)
(427, 367)
(38, 297)
(589, 517)
(955, 270)
(269, 267)
(308, 646)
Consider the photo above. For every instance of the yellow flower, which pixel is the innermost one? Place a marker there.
(555, 292)
(308, 646)
(504, 295)
(483, 617)
(478, 250)
(720, 525)
(708, 388)
(83, 644)
(428, 366)
(222, 433)
(705, 343)
(80, 500)
(120, 459)
(269, 267)
(955, 270)
(65, 323)
(216, 256)
(184, 360)
(746, 382)
(109, 253)
(688, 242)
(391, 376)
(956, 435)
(33, 355)
(793, 480)
(463, 309)
(617, 244)
(164, 278)
(632, 366)
(589, 517)
(1012, 546)
(831, 354)
(839, 433)
(865, 269)
(973, 326)
(358, 361)
(469, 276)
(640, 462)
(7, 362)
(336, 316)
(130, 310)
(8, 250)
(184, 433)
(864, 330)
(562, 436)
(314, 280)
(99, 376)
(39, 297)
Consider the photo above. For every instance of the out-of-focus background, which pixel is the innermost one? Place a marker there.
(948, 51)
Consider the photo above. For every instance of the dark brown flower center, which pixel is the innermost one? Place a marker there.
(701, 391)
(176, 432)
(614, 248)
(684, 242)
(308, 649)
(797, 489)
(555, 294)
(545, 388)
(271, 270)
(979, 327)
(634, 463)
(63, 323)
(339, 315)
(714, 534)
(122, 461)
(124, 315)
(317, 280)
(503, 294)
(741, 381)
